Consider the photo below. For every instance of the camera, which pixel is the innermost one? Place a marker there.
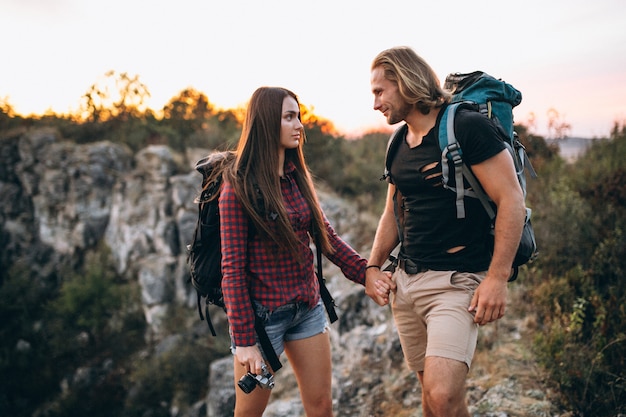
(249, 381)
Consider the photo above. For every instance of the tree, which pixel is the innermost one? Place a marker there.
(311, 121)
(188, 112)
(8, 118)
(558, 128)
(117, 96)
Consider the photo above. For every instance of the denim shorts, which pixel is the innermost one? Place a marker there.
(293, 321)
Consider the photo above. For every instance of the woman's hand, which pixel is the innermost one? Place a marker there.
(378, 285)
(250, 358)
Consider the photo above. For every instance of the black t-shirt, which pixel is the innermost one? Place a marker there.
(430, 225)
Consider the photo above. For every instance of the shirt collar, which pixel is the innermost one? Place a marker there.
(290, 167)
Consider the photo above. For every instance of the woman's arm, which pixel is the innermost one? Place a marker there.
(235, 285)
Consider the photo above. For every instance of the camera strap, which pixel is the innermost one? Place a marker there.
(266, 345)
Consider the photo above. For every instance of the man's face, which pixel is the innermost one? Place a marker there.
(387, 98)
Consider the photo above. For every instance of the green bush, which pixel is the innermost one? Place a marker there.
(578, 290)
(92, 301)
(177, 377)
(24, 355)
(91, 322)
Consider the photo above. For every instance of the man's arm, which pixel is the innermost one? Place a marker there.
(499, 180)
(378, 284)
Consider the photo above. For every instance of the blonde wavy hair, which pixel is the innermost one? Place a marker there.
(417, 82)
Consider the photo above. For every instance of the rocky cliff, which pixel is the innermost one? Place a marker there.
(61, 199)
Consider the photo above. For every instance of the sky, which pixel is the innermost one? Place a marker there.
(566, 55)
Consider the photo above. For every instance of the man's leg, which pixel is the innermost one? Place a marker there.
(443, 387)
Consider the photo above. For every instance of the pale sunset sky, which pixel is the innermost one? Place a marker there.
(567, 55)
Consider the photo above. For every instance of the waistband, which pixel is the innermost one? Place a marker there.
(411, 267)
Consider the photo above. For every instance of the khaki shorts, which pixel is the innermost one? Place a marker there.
(430, 311)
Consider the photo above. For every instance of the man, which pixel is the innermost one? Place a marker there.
(447, 281)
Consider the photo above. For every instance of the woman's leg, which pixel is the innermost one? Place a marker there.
(310, 360)
(249, 405)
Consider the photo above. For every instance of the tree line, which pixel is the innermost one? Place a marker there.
(114, 110)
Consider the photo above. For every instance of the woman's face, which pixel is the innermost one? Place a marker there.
(290, 126)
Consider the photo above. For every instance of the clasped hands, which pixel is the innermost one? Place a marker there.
(379, 285)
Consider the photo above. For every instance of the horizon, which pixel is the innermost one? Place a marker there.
(383, 127)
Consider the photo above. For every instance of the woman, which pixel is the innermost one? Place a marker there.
(268, 211)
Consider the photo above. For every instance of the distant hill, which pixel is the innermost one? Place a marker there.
(572, 148)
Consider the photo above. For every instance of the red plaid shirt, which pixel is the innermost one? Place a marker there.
(250, 270)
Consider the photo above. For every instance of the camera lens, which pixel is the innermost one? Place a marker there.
(247, 383)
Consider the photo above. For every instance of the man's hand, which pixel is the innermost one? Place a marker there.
(378, 285)
(489, 301)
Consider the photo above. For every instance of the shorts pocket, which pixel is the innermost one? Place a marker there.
(468, 281)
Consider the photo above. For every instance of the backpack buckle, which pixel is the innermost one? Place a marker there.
(454, 152)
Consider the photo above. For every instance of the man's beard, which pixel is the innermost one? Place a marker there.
(396, 116)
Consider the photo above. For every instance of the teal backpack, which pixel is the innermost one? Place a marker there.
(496, 99)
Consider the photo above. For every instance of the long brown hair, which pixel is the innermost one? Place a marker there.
(255, 170)
(417, 82)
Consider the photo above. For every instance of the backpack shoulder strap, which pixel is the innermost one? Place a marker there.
(451, 151)
(392, 146)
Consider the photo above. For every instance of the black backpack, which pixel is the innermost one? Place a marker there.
(204, 255)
